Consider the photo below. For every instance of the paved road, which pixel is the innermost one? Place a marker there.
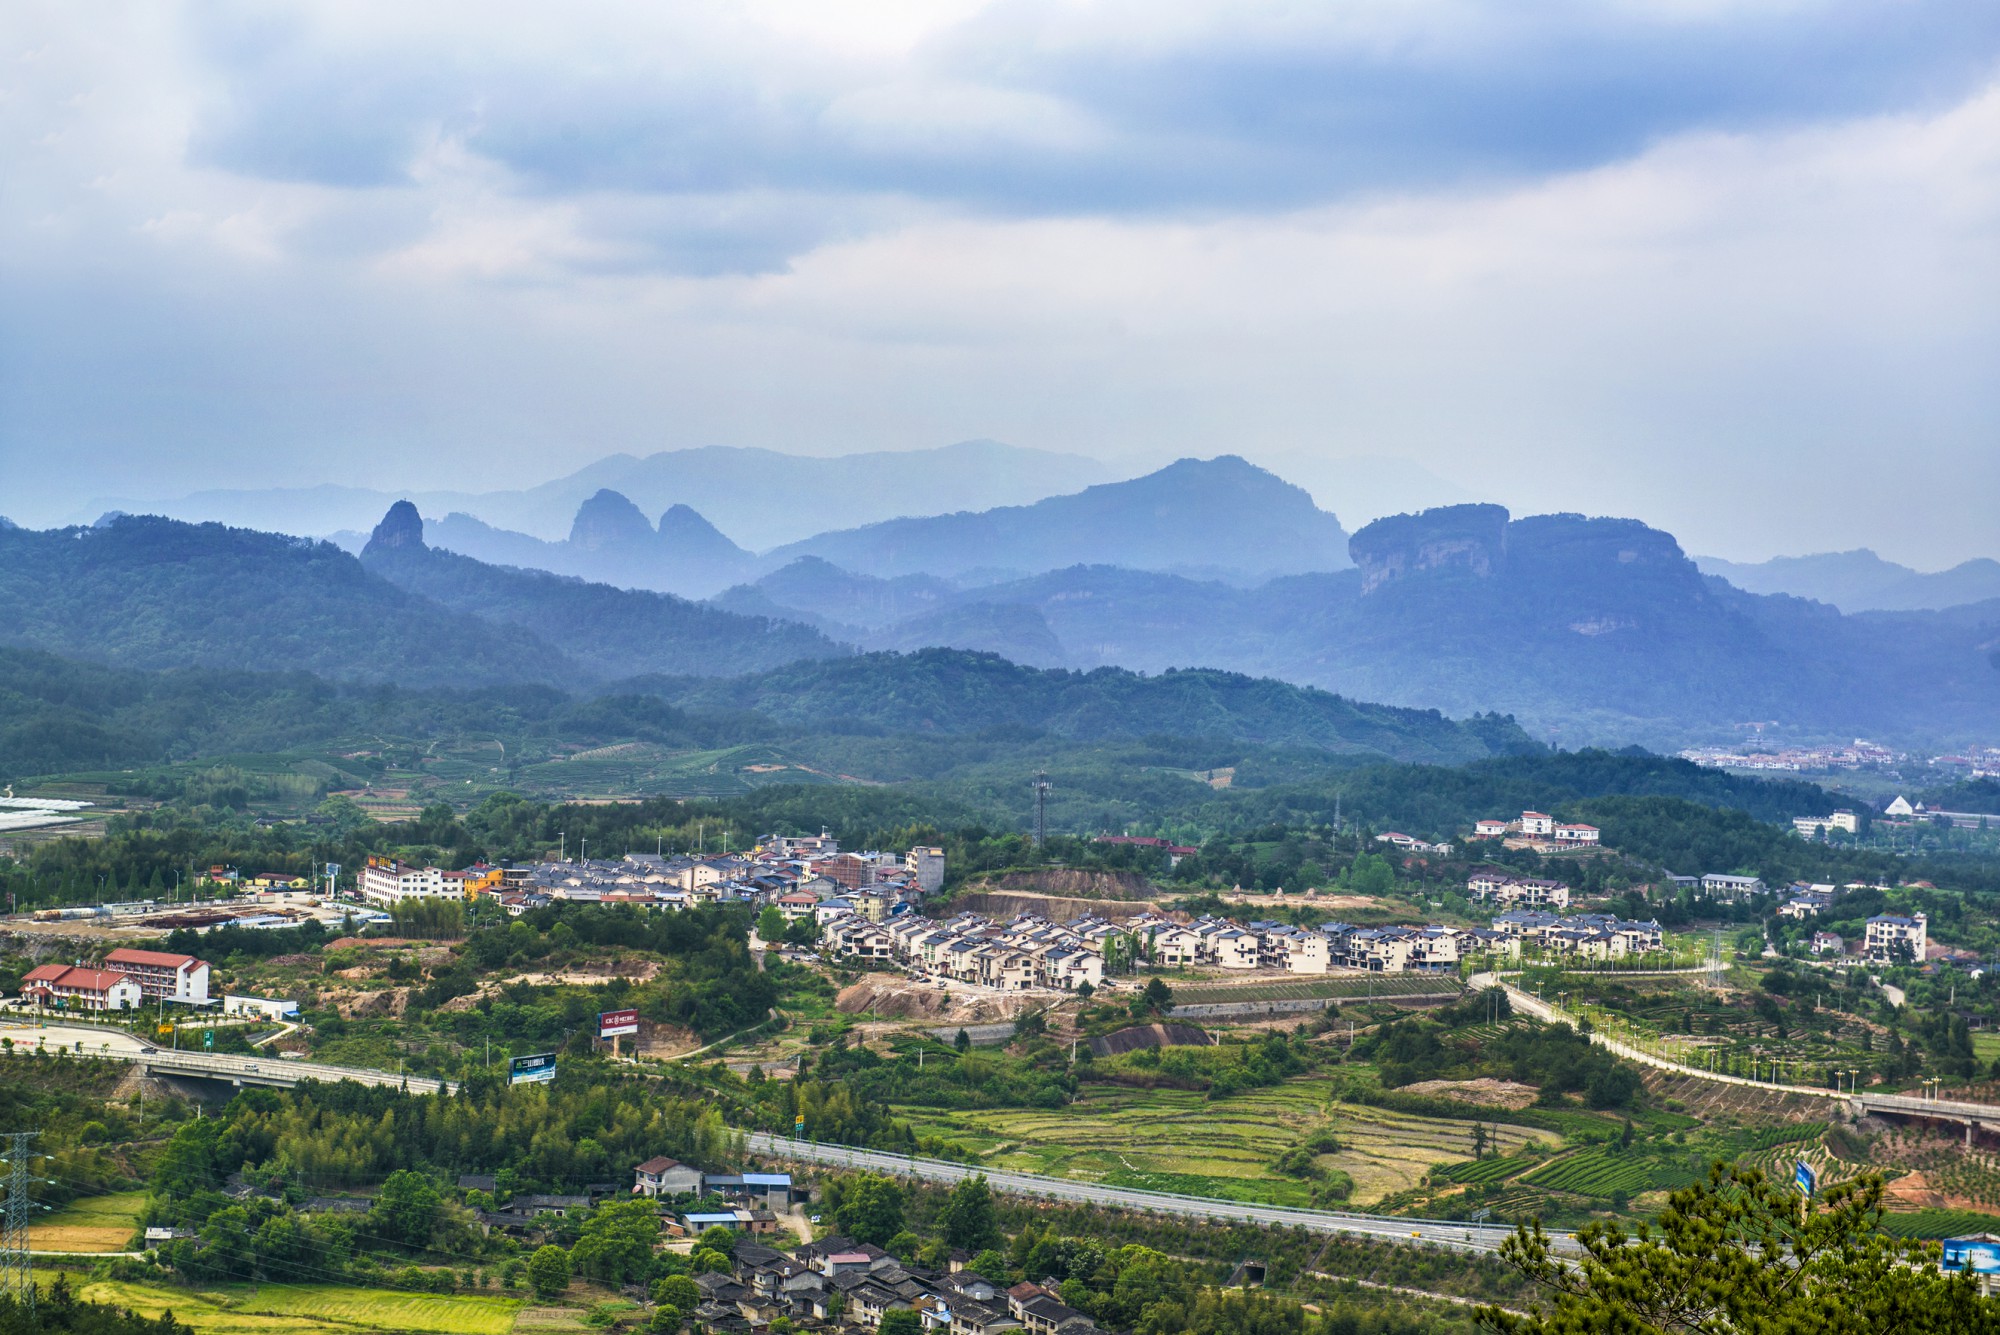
(1528, 1004)
(1443, 1233)
(92, 1041)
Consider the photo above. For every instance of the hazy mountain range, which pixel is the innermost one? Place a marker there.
(763, 496)
(1224, 518)
(1587, 630)
(1861, 581)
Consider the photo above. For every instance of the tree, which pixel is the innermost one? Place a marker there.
(901, 1321)
(717, 1238)
(406, 1209)
(991, 1264)
(1738, 1254)
(970, 1220)
(548, 1272)
(617, 1241)
(678, 1290)
(771, 925)
(666, 1317)
(962, 1041)
(1159, 997)
(870, 1208)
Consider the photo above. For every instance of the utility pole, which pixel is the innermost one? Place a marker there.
(1041, 809)
(17, 1274)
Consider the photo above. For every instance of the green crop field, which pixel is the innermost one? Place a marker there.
(313, 1309)
(1181, 1141)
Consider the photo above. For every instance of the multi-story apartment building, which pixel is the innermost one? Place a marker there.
(386, 881)
(163, 975)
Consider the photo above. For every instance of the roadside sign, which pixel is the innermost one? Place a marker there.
(531, 1070)
(799, 1126)
(1803, 1174)
(208, 1038)
(1980, 1255)
(166, 1029)
(333, 871)
(611, 1024)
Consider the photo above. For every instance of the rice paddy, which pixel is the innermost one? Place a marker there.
(95, 1224)
(1179, 1140)
(312, 1309)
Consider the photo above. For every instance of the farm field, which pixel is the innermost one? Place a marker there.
(1179, 1140)
(94, 1224)
(312, 1309)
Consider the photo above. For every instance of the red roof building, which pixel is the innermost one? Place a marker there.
(164, 976)
(73, 987)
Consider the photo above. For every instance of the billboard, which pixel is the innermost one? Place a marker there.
(610, 1024)
(1803, 1174)
(530, 1070)
(1980, 1255)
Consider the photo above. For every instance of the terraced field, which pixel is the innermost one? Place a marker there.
(1178, 1140)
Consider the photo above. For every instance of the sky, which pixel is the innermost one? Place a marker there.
(1728, 266)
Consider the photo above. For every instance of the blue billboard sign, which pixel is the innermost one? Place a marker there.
(1807, 1179)
(532, 1070)
(1980, 1255)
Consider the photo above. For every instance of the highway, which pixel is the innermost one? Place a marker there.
(119, 1045)
(1442, 1233)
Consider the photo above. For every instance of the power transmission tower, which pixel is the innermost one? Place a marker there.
(1041, 809)
(17, 1274)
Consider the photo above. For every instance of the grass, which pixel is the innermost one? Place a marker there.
(1181, 1141)
(312, 1309)
(94, 1224)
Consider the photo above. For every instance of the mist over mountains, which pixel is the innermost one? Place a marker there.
(1861, 581)
(762, 496)
(1588, 630)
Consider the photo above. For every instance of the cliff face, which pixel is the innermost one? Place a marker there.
(401, 528)
(1468, 537)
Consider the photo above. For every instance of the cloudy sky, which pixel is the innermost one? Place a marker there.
(1731, 266)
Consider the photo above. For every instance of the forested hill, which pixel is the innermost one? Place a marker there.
(59, 715)
(953, 691)
(152, 593)
(610, 632)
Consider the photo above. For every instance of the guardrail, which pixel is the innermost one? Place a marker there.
(276, 1071)
(1441, 1232)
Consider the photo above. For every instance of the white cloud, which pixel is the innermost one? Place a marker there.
(531, 247)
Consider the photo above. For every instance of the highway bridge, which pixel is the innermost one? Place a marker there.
(120, 1045)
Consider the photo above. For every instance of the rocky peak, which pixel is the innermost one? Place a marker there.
(401, 527)
(1471, 537)
(609, 519)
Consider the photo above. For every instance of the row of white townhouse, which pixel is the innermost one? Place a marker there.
(1597, 936)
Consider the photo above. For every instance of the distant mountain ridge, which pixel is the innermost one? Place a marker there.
(761, 497)
(614, 631)
(1221, 516)
(1589, 630)
(1861, 581)
(611, 542)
